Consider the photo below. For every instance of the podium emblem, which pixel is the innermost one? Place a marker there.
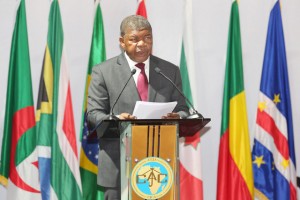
(152, 178)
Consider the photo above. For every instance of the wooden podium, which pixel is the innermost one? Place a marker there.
(149, 156)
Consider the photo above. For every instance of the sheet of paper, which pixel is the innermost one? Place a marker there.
(152, 110)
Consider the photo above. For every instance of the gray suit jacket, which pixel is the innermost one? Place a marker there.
(108, 79)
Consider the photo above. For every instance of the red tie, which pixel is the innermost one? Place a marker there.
(142, 82)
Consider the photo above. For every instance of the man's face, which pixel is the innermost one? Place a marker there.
(137, 44)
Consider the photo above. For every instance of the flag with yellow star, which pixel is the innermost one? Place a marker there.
(273, 154)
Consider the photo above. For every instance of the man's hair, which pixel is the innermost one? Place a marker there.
(135, 23)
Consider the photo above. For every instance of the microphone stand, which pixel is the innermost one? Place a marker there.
(112, 116)
(195, 114)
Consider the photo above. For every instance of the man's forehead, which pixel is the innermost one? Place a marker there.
(138, 32)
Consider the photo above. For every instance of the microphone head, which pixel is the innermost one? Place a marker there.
(157, 70)
(133, 71)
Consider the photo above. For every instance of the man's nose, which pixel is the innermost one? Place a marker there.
(141, 42)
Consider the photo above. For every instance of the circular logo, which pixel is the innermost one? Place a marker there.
(152, 178)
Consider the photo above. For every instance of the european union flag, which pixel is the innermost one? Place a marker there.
(273, 153)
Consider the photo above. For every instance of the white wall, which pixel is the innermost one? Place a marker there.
(211, 21)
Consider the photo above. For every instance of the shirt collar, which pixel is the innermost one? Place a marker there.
(133, 63)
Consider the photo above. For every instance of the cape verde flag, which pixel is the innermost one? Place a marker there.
(273, 153)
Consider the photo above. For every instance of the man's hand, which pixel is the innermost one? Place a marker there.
(171, 116)
(126, 116)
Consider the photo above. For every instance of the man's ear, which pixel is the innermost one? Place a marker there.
(121, 40)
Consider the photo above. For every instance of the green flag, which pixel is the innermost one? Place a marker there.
(89, 148)
(18, 167)
(185, 75)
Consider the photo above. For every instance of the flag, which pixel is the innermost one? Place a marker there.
(18, 170)
(191, 186)
(273, 154)
(235, 179)
(89, 147)
(141, 10)
(57, 148)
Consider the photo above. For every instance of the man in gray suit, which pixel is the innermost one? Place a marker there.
(109, 78)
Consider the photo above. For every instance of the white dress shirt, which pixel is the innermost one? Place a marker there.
(132, 66)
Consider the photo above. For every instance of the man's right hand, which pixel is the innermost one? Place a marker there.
(126, 116)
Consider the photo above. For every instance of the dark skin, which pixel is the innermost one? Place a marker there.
(138, 46)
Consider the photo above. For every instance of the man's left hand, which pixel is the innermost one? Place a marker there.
(171, 116)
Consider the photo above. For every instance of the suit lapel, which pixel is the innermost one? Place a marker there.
(125, 69)
(154, 80)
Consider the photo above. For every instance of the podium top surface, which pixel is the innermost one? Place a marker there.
(187, 127)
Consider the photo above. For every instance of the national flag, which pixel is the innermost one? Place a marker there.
(57, 149)
(191, 186)
(18, 169)
(141, 10)
(235, 179)
(90, 147)
(273, 154)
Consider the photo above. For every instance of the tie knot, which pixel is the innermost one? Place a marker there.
(141, 66)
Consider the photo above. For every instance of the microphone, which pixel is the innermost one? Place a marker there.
(111, 115)
(195, 113)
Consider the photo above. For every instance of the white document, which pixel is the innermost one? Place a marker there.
(152, 110)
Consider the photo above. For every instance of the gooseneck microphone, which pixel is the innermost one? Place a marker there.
(195, 113)
(112, 115)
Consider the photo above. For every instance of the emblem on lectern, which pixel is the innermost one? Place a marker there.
(152, 178)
